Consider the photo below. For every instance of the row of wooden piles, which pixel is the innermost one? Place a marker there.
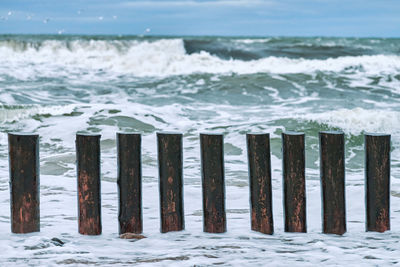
(24, 182)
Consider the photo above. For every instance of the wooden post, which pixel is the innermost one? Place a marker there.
(377, 180)
(259, 158)
(129, 183)
(170, 181)
(88, 169)
(212, 165)
(332, 171)
(294, 182)
(24, 182)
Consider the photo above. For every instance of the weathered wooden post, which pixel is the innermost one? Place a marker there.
(294, 182)
(88, 170)
(332, 171)
(170, 181)
(213, 183)
(377, 180)
(259, 159)
(129, 183)
(24, 182)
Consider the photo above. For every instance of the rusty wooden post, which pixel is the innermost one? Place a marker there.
(377, 176)
(259, 160)
(294, 182)
(332, 171)
(213, 183)
(129, 183)
(24, 182)
(170, 181)
(88, 169)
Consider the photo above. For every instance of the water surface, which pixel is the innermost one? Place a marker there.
(58, 85)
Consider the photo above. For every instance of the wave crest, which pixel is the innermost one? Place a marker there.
(358, 120)
(163, 57)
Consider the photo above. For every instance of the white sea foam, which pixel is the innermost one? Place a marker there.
(17, 113)
(126, 110)
(253, 41)
(358, 120)
(239, 246)
(163, 58)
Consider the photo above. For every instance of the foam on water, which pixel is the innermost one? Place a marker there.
(18, 112)
(358, 120)
(162, 57)
(253, 41)
(57, 87)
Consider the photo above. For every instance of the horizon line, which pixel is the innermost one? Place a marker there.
(208, 35)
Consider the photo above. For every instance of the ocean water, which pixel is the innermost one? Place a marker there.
(59, 85)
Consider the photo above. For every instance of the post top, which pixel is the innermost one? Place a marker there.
(168, 133)
(332, 132)
(292, 133)
(128, 133)
(258, 134)
(376, 134)
(88, 134)
(211, 134)
(23, 134)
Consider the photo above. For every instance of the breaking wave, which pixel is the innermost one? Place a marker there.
(163, 57)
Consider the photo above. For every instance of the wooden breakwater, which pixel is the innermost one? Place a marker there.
(25, 196)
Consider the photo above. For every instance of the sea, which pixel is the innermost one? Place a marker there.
(58, 85)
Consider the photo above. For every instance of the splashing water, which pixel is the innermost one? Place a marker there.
(58, 85)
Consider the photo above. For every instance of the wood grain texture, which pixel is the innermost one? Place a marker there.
(259, 161)
(129, 182)
(377, 179)
(294, 182)
(24, 182)
(170, 181)
(88, 172)
(332, 172)
(213, 183)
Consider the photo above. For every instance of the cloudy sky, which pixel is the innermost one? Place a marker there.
(378, 18)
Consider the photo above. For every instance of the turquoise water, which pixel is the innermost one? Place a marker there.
(58, 85)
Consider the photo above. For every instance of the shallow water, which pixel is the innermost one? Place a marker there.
(58, 85)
